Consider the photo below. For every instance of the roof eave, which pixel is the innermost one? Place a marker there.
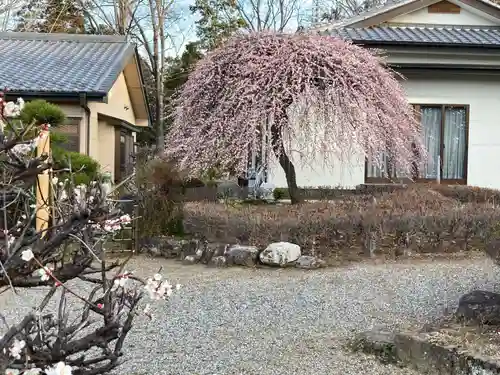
(143, 86)
(57, 95)
(383, 44)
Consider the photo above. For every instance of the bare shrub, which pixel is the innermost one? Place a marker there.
(417, 218)
(87, 304)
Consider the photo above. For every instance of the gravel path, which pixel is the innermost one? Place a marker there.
(282, 322)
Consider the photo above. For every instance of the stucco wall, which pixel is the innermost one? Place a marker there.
(480, 93)
(119, 104)
(465, 17)
(106, 152)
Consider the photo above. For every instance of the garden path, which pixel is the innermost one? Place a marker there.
(282, 322)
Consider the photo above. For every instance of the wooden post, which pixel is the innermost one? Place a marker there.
(43, 184)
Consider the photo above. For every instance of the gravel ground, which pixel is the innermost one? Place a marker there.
(282, 322)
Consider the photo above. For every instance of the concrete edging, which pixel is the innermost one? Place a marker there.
(429, 358)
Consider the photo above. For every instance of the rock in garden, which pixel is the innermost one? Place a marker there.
(480, 307)
(171, 248)
(150, 246)
(199, 253)
(240, 255)
(280, 254)
(208, 253)
(188, 247)
(309, 262)
(379, 343)
(218, 261)
(190, 259)
(219, 249)
(151, 250)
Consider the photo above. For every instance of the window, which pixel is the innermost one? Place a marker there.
(124, 155)
(70, 130)
(445, 136)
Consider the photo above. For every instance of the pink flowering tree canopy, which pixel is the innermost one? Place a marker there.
(321, 97)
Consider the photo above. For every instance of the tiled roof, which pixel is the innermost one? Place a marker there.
(421, 35)
(61, 63)
(385, 6)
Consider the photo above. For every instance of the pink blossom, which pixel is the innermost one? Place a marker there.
(329, 98)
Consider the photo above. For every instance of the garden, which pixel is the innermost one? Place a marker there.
(55, 243)
(388, 221)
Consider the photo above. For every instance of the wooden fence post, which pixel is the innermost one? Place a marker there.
(42, 186)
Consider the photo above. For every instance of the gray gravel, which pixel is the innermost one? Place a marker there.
(282, 322)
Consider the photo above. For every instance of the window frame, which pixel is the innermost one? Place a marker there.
(462, 181)
(77, 124)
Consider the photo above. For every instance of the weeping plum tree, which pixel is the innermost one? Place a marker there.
(319, 97)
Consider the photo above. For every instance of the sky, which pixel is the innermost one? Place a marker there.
(181, 32)
(184, 31)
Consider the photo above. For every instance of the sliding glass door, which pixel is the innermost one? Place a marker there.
(444, 134)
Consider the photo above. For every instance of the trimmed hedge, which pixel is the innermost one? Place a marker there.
(420, 219)
(329, 193)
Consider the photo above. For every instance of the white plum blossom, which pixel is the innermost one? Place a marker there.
(45, 273)
(113, 225)
(120, 281)
(55, 180)
(125, 219)
(27, 255)
(11, 371)
(32, 371)
(11, 109)
(59, 369)
(22, 149)
(10, 241)
(16, 348)
(158, 289)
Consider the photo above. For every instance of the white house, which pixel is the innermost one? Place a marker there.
(449, 53)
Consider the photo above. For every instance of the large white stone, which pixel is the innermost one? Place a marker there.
(280, 253)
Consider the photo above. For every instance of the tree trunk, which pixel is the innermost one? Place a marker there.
(286, 164)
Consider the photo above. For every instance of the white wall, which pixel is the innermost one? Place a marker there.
(422, 16)
(481, 93)
(345, 175)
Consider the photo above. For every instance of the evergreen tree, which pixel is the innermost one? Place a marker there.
(218, 20)
(52, 16)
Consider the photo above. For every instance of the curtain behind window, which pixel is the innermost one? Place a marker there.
(454, 143)
(431, 128)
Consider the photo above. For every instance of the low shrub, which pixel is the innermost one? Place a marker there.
(84, 168)
(280, 193)
(468, 194)
(160, 187)
(459, 193)
(418, 219)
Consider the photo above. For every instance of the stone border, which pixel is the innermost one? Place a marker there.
(429, 358)
(193, 251)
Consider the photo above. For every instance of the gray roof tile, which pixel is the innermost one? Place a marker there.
(421, 35)
(57, 63)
